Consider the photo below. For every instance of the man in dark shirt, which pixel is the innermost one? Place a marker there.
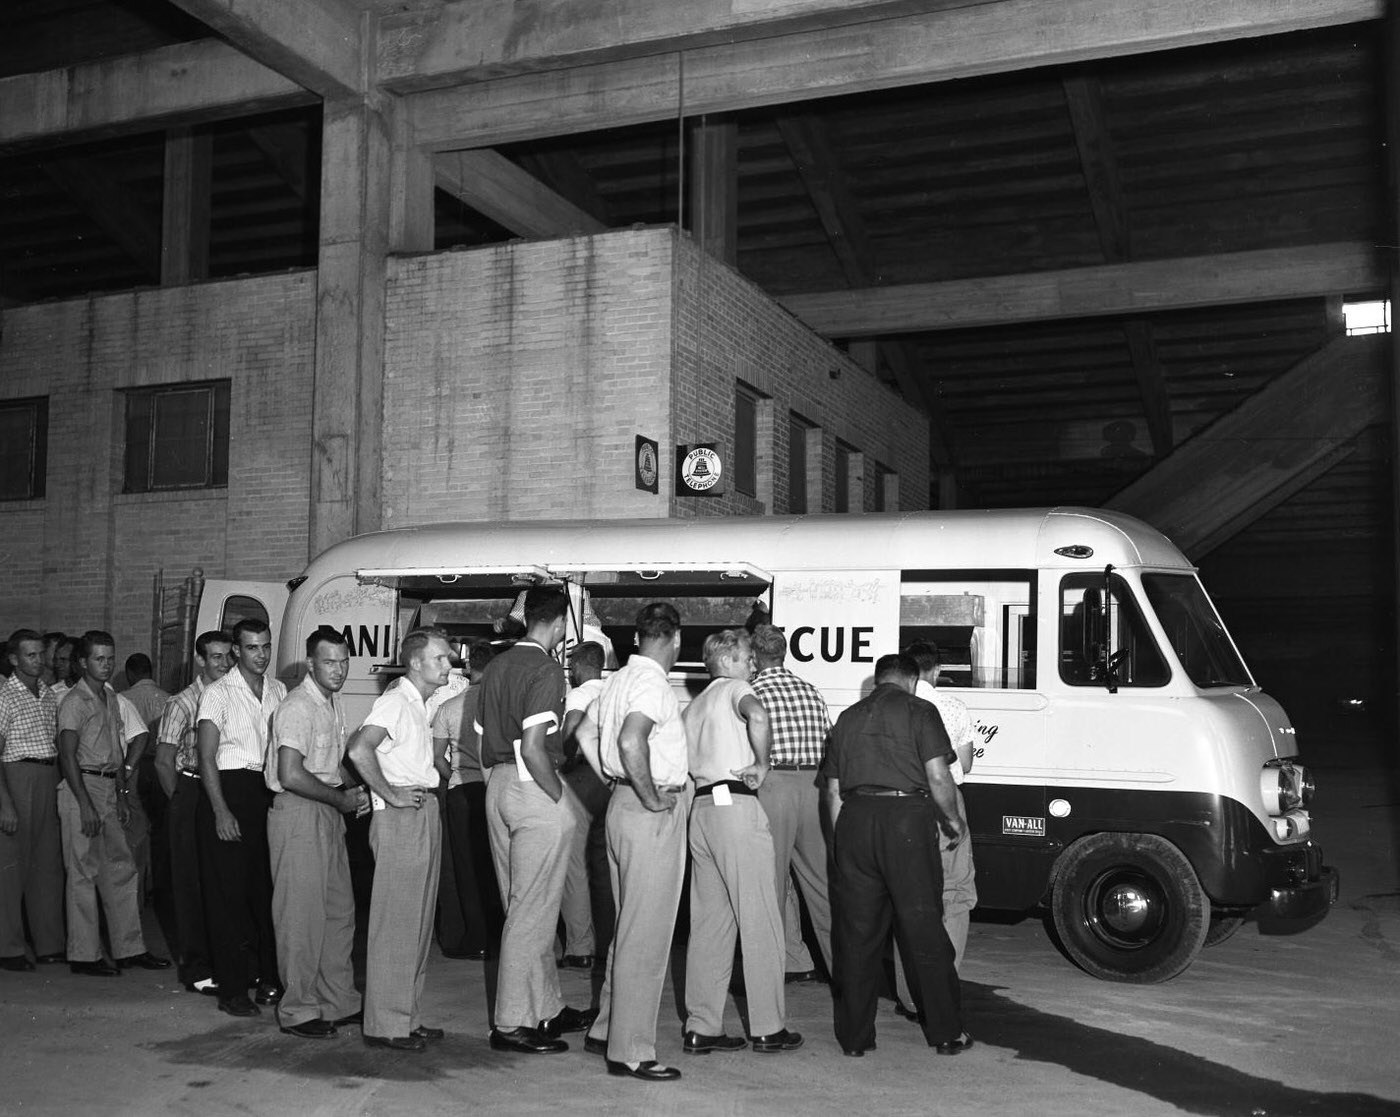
(531, 826)
(890, 794)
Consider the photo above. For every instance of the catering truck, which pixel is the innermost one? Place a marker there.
(1130, 775)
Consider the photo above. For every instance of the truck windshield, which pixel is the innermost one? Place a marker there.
(1195, 630)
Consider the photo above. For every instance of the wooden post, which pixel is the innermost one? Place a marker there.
(184, 242)
(1392, 112)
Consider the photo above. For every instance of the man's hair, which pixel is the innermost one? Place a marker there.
(657, 621)
(138, 666)
(415, 642)
(12, 644)
(544, 605)
(325, 634)
(71, 642)
(95, 638)
(213, 636)
(896, 665)
(924, 653)
(769, 643)
(54, 638)
(588, 654)
(718, 645)
(479, 654)
(250, 626)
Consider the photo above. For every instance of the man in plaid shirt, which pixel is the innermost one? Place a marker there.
(800, 724)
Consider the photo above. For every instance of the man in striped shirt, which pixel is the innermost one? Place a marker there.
(800, 725)
(31, 859)
(231, 820)
(177, 768)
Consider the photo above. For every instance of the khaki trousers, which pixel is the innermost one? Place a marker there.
(31, 863)
(792, 802)
(99, 865)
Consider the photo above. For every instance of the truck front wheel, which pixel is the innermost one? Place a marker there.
(1128, 907)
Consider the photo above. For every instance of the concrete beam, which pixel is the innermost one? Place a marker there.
(434, 45)
(319, 44)
(494, 186)
(712, 166)
(184, 244)
(1108, 289)
(191, 82)
(1217, 482)
(934, 46)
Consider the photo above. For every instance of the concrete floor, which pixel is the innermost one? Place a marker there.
(1261, 1026)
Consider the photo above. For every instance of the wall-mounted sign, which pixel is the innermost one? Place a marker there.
(648, 464)
(698, 470)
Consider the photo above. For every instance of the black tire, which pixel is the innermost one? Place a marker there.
(1128, 907)
(1221, 928)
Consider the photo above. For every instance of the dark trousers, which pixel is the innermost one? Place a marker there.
(237, 880)
(187, 895)
(888, 870)
(478, 893)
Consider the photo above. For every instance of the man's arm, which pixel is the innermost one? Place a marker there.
(126, 782)
(760, 735)
(361, 751)
(945, 798)
(9, 817)
(440, 761)
(833, 800)
(293, 776)
(165, 767)
(635, 752)
(535, 757)
(206, 743)
(68, 762)
(572, 720)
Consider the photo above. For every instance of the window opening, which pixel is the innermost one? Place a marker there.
(983, 623)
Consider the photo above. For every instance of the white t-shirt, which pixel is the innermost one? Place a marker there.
(956, 720)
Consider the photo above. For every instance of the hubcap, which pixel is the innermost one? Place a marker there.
(1125, 908)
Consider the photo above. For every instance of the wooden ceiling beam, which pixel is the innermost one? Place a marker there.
(562, 172)
(933, 46)
(429, 46)
(1250, 459)
(496, 188)
(319, 44)
(284, 146)
(1152, 383)
(109, 205)
(192, 82)
(1101, 290)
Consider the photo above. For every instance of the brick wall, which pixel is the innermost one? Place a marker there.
(85, 555)
(728, 330)
(517, 377)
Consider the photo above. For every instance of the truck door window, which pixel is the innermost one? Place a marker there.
(1105, 639)
(1195, 630)
(983, 623)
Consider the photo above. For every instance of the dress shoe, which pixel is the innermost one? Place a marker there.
(697, 1043)
(397, 1043)
(423, 1032)
(955, 1046)
(857, 1052)
(568, 1020)
(777, 1041)
(268, 993)
(51, 959)
(356, 1018)
(311, 1029)
(16, 963)
(239, 1006)
(901, 1009)
(802, 977)
(205, 985)
(577, 961)
(94, 969)
(649, 1071)
(526, 1041)
(145, 961)
(595, 1046)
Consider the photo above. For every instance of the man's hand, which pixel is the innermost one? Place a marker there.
(226, 826)
(753, 775)
(405, 798)
(956, 830)
(9, 819)
(663, 802)
(123, 806)
(91, 820)
(356, 801)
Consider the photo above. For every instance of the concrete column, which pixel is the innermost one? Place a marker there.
(346, 470)
(184, 241)
(1392, 112)
(712, 166)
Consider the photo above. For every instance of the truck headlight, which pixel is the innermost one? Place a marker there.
(1285, 785)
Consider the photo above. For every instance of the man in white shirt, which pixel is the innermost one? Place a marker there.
(393, 752)
(582, 901)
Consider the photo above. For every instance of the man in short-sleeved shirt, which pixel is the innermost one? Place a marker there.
(642, 749)
(532, 823)
(313, 904)
(732, 888)
(890, 796)
(31, 855)
(393, 752)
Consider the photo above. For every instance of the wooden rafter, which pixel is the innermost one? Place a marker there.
(494, 186)
(109, 205)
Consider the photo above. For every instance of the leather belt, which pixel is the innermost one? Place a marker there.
(671, 788)
(738, 787)
(887, 792)
(46, 761)
(784, 766)
(106, 775)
